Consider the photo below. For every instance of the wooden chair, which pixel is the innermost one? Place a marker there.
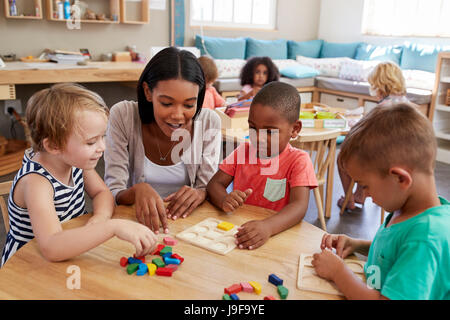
(5, 187)
(321, 146)
(348, 193)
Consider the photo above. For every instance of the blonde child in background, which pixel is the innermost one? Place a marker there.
(391, 154)
(212, 98)
(257, 72)
(267, 172)
(67, 124)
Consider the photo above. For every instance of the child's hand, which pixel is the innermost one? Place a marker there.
(235, 199)
(252, 234)
(344, 244)
(143, 239)
(327, 264)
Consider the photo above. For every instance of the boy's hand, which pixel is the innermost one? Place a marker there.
(143, 239)
(252, 234)
(343, 244)
(235, 199)
(327, 264)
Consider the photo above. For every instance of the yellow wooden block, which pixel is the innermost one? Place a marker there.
(151, 268)
(225, 226)
(256, 286)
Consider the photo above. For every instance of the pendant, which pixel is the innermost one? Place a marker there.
(162, 159)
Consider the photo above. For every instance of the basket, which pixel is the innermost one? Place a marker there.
(447, 100)
(3, 144)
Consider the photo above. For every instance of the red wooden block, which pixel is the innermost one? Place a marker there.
(139, 258)
(158, 249)
(164, 272)
(176, 256)
(172, 266)
(235, 288)
(123, 261)
(269, 298)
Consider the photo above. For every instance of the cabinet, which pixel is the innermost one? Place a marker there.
(441, 111)
(24, 9)
(110, 10)
(134, 12)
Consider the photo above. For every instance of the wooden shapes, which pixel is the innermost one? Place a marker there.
(282, 291)
(123, 261)
(170, 241)
(172, 266)
(165, 250)
(206, 235)
(225, 226)
(139, 258)
(246, 287)
(167, 272)
(234, 296)
(142, 269)
(158, 249)
(177, 256)
(308, 279)
(158, 262)
(151, 268)
(132, 268)
(169, 260)
(226, 297)
(256, 286)
(269, 298)
(235, 288)
(132, 260)
(275, 280)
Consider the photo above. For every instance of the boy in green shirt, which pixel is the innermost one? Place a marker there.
(391, 153)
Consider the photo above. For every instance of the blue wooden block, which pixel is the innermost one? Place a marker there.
(275, 280)
(169, 260)
(142, 269)
(167, 255)
(234, 296)
(133, 260)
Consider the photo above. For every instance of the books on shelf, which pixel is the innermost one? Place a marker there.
(68, 57)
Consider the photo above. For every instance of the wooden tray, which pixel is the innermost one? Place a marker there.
(12, 159)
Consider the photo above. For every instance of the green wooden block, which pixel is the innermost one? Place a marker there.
(132, 268)
(165, 250)
(283, 292)
(158, 262)
(226, 297)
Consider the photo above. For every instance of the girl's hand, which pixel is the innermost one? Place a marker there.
(252, 234)
(143, 239)
(235, 199)
(327, 264)
(150, 208)
(343, 244)
(184, 201)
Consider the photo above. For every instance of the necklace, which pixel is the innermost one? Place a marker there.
(161, 158)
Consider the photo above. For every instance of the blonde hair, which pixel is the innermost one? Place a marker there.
(209, 69)
(52, 113)
(387, 78)
(386, 137)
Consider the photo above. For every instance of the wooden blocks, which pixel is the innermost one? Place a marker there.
(151, 268)
(275, 280)
(169, 241)
(132, 260)
(132, 268)
(226, 297)
(246, 287)
(283, 292)
(123, 261)
(234, 296)
(165, 250)
(169, 260)
(235, 288)
(142, 269)
(269, 298)
(225, 226)
(167, 272)
(256, 286)
(177, 256)
(158, 249)
(158, 262)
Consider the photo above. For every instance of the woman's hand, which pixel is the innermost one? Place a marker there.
(150, 209)
(184, 201)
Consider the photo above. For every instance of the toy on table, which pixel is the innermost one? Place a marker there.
(253, 286)
(238, 107)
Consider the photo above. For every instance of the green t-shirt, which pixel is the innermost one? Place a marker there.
(411, 259)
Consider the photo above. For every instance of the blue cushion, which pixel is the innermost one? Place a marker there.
(222, 48)
(275, 49)
(421, 57)
(310, 49)
(336, 50)
(382, 53)
(299, 71)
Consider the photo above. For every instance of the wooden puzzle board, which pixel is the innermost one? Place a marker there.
(308, 279)
(206, 235)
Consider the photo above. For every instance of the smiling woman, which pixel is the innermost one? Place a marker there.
(152, 144)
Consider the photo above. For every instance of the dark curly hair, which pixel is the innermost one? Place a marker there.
(249, 68)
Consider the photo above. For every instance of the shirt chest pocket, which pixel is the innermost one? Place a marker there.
(275, 189)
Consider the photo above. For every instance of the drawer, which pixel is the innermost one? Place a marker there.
(7, 92)
(338, 101)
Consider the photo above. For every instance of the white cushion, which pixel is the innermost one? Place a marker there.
(329, 67)
(357, 70)
(419, 79)
(229, 68)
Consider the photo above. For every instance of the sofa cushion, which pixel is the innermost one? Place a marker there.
(421, 57)
(229, 68)
(335, 50)
(382, 53)
(309, 49)
(356, 70)
(275, 49)
(235, 84)
(222, 48)
(299, 71)
(329, 67)
(419, 79)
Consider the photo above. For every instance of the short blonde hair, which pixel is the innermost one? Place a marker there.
(387, 78)
(51, 113)
(209, 68)
(386, 137)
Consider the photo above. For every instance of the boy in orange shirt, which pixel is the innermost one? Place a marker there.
(268, 171)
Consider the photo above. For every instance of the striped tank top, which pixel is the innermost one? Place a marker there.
(68, 200)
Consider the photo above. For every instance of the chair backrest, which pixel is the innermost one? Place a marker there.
(321, 146)
(5, 187)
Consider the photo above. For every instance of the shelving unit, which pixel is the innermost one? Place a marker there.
(439, 110)
(134, 8)
(26, 9)
(113, 10)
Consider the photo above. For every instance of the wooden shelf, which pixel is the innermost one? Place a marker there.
(21, 5)
(113, 6)
(142, 10)
(442, 107)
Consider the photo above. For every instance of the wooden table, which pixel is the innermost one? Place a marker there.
(203, 274)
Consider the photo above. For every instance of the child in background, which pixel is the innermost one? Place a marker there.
(67, 125)
(255, 74)
(212, 98)
(391, 153)
(267, 172)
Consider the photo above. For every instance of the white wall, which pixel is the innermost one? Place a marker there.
(340, 21)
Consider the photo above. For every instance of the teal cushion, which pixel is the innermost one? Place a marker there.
(310, 49)
(421, 57)
(222, 48)
(299, 71)
(274, 49)
(336, 50)
(381, 53)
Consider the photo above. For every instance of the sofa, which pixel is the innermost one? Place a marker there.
(327, 72)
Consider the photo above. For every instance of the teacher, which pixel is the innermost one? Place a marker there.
(164, 147)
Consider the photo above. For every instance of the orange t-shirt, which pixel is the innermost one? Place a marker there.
(270, 179)
(212, 99)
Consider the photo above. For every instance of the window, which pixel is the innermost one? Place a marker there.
(258, 14)
(423, 18)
